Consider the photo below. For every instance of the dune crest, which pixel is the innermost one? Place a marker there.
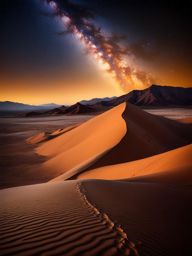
(78, 147)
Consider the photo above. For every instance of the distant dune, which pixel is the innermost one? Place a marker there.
(43, 136)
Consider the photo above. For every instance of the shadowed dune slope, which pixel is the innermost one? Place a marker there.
(83, 144)
(178, 160)
(57, 219)
(155, 216)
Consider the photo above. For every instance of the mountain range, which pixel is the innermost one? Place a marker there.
(154, 96)
(9, 107)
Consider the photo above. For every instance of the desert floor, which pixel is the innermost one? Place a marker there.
(19, 163)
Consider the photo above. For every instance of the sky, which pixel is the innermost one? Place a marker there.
(65, 51)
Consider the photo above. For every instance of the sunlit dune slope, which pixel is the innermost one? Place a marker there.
(177, 160)
(85, 143)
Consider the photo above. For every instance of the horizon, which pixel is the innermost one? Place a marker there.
(86, 99)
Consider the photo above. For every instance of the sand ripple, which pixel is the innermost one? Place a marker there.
(57, 219)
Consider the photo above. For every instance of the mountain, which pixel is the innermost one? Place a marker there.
(154, 96)
(96, 100)
(9, 107)
(163, 96)
(79, 108)
(52, 112)
(49, 105)
(15, 106)
(75, 109)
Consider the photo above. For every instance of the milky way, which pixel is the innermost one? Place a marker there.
(107, 50)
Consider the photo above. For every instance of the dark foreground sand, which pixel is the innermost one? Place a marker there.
(155, 216)
(57, 219)
(96, 217)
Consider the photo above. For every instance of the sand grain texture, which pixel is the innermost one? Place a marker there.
(156, 216)
(57, 219)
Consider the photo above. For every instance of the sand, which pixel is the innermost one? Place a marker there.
(96, 217)
(57, 219)
(19, 163)
(121, 135)
(77, 148)
(143, 207)
(146, 135)
(156, 217)
(177, 160)
(45, 136)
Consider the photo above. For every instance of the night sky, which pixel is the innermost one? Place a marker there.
(136, 43)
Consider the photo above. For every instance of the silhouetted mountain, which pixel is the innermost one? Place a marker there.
(79, 108)
(154, 96)
(15, 106)
(163, 96)
(96, 100)
(9, 108)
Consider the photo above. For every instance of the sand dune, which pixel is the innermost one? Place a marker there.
(146, 135)
(178, 160)
(85, 143)
(120, 135)
(57, 219)
(44, 136)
